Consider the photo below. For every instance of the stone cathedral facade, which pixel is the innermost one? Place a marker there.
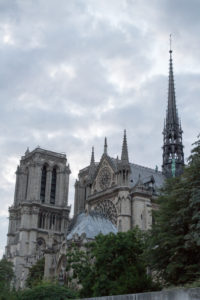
(111, 195)
(122, 191)
(40, 214)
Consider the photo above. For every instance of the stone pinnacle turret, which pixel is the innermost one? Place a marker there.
(124, 155)
(105, 147)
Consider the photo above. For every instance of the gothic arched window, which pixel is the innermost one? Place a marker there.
(43, 184)
(53, 186)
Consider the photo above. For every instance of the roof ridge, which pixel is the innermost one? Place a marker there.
(147, 168)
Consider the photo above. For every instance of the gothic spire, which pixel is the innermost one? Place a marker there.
(124, 155)
(172, 115)
(105, 146)
(92, 166)
(173, 156)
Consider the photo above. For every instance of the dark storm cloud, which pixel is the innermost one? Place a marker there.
(74, 72)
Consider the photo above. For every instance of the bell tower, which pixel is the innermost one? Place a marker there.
(40, 209)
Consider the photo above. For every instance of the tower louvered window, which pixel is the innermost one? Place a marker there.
(53, 186)
(43, 184)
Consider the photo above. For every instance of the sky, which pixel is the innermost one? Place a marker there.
(73, 72)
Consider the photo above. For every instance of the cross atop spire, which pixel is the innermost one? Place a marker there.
(124, 155)
(105, 146)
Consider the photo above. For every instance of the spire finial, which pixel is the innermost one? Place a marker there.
(170, 43)
(92, 157)
(124, 155)
(105, 146)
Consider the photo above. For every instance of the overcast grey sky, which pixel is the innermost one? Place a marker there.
(72, 72)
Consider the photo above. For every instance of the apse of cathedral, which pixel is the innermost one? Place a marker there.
(111, 195)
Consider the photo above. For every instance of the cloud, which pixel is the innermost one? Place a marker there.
(78, 71)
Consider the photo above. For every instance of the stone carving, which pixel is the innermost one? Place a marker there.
(107, 209)
(35, 210)
(26, 210)
(104, 178)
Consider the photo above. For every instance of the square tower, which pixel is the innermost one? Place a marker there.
(40, 212)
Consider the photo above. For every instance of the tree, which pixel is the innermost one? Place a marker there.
(80, 269)
(47, 291)
(6, 273)
(174, 250)
(36, 273)
(112, 265)
(6, 276)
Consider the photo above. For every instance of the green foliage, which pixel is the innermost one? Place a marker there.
(6, 271)
(44, 291)
(36, 273)
(47, 291)
(9, 295)
(6, 276)
(80, 262)
(112, 265)
(174, 250)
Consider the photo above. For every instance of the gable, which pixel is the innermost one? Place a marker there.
(105, 175)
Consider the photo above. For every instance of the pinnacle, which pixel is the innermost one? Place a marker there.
(105, 146)
(92, 165)
(124, 155)
(92, 157)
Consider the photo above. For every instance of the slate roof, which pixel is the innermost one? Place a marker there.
(91, 224)
(145, 175)
(136, 170)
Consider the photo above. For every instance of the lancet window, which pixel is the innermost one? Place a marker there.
(49, 220)
(53, 186)
(43, 184)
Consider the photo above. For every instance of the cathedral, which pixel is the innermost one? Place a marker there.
(111, 195)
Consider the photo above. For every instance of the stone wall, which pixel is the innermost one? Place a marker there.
(176, 294)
